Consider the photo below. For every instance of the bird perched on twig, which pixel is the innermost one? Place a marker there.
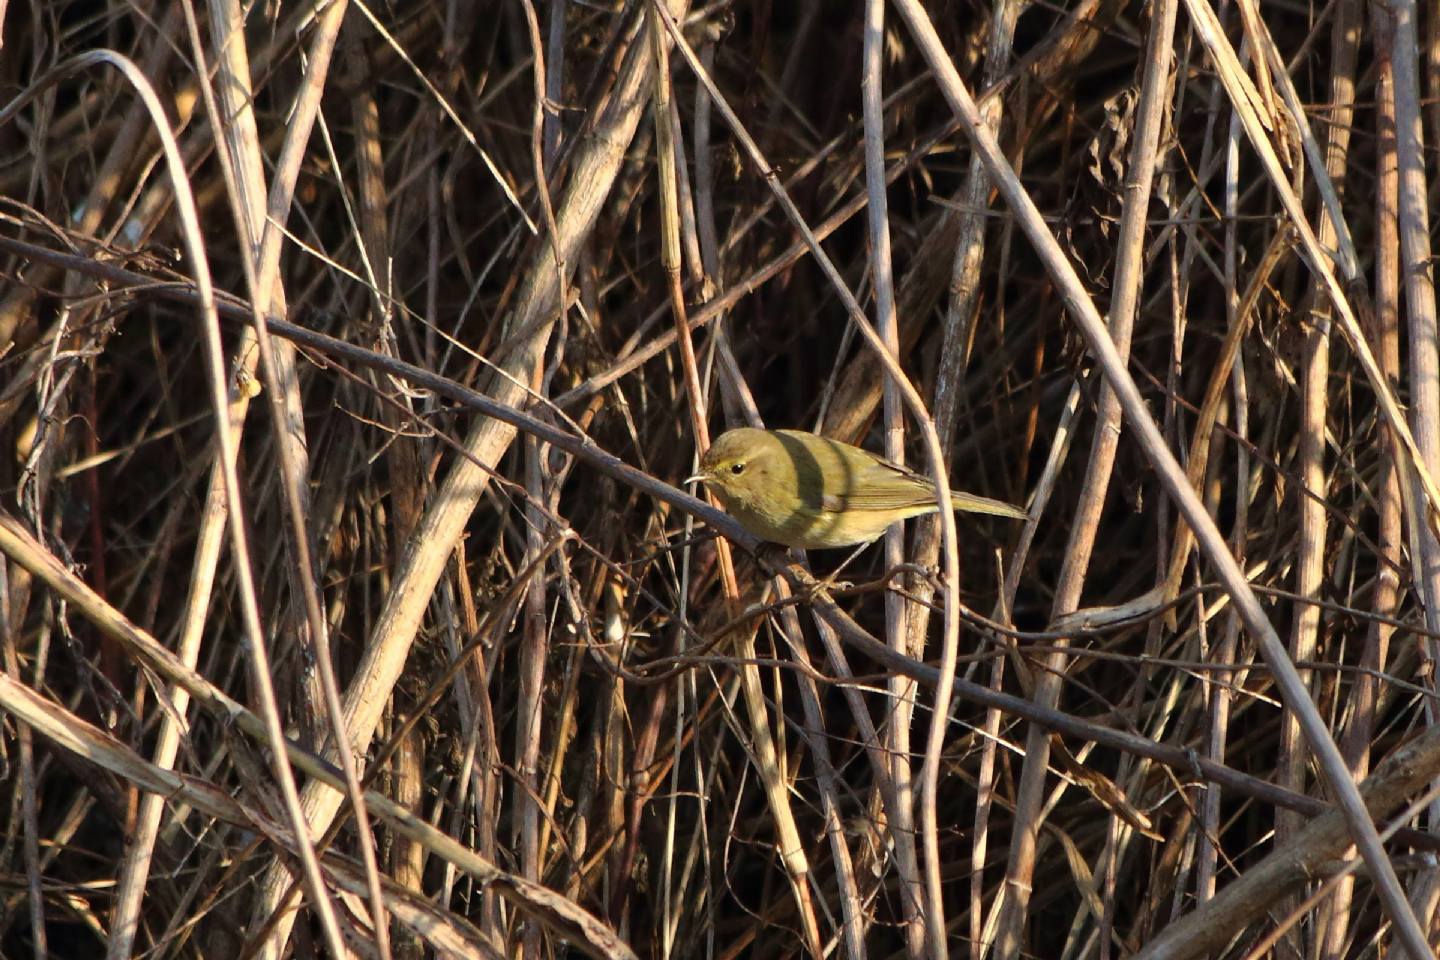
(803, 490)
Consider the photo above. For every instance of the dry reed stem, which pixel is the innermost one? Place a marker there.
(534, 638)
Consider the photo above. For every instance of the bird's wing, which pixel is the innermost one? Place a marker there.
(882, 485)
(888, 486)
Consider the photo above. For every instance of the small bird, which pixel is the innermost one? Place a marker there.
(802, 490)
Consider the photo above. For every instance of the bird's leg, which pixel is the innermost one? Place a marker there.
(831, 582)
(834, 577)
(773, 556)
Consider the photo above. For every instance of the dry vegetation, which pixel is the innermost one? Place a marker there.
(618, 735)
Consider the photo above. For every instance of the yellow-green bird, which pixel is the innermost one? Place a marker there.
(802, 490)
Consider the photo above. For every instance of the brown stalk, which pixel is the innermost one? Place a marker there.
(1210, 927)
(897, 628)
(1128, 274)
(770, 756)
(1153, 444)
(536, 305)
(574, 714)
(1311, 553)
(260, 233)
(1385, 334)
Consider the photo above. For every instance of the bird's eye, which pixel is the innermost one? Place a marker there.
(736, 469)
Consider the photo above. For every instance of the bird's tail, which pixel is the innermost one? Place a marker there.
(970, 503)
